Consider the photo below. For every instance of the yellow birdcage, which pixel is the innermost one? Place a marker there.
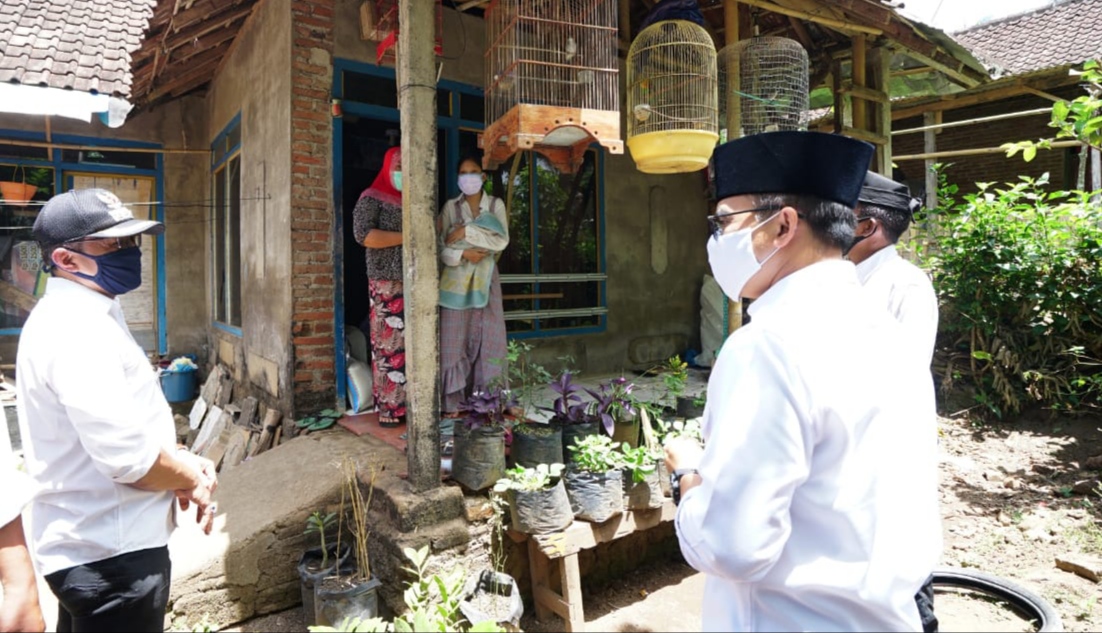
(552, 79)
(672, 98)
(763, 86)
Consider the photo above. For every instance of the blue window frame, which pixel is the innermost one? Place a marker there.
(24, 155)
(226, 226)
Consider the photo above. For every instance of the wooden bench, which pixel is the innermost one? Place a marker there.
(544, 550)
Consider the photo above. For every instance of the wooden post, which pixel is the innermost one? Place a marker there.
(417, 104)
(625, 24)
(860, 118)
(1096, 175)
(929, 146)
(880, 65)
(732, 34)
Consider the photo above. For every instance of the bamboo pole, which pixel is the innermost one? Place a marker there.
(860, 118)
(734, 116)
(977, 151)
(142, 150)
(982, 119)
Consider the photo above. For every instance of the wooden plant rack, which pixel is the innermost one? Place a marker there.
(562, 134)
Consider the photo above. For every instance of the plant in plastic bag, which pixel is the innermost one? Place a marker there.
(568, 407)
(529, 479)
(318, 523)
(487, 408)
(595, 454)
(613, 401)
(641, 461)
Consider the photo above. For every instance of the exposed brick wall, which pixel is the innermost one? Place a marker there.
(965, 171)
(312, 215)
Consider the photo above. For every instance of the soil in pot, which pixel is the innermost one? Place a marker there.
(595, 497)
(337, 597)
(535, 443)
(478, 458)
(643, 495)
(311, 571)
(540, 511)
(571, 432)
(492, 596)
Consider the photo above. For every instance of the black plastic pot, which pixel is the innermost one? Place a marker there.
(339, 597)
(310, 571)
(688, 409)
(478, 460)
(643, 495)
(503, 588)
(570, 432)
(535, 444)
(540, 511)
(595, 497)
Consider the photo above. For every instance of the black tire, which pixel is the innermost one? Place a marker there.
(1027, 603)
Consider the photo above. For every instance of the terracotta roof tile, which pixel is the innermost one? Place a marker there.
(1063, 34)
(79, 44)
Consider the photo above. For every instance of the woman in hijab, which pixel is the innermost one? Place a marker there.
(377, 225)
(473, 231)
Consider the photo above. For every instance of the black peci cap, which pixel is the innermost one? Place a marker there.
(828, 166)
(886, 193)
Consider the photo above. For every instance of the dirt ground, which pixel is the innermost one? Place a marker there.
(1016, 497)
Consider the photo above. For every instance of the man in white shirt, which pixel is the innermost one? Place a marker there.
(884, 212)
(19, 607)
(98, 434)
(812, 506)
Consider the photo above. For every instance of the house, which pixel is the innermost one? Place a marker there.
(1030, 57)
(256, 124)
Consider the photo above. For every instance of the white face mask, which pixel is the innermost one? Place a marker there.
(733, 261)
(470, 184)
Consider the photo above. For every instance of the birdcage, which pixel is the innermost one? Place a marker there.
(552, 80)
(763, 86)
(672, 109)
(379, 23)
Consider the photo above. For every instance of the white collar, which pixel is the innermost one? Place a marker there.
(809, 282)
(72, 291)
(866, 268)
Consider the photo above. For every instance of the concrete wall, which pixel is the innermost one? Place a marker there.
(178, 124)
(256, 82)
(653, 301)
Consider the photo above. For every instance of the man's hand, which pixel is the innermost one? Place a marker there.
(201, 494)
(19, 607)
(473, 255)
(683, 453)
(456, 235)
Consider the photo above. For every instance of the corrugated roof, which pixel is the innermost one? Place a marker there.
(80, 44)
(1067, 33)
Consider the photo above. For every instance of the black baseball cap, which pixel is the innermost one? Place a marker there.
(88, 214)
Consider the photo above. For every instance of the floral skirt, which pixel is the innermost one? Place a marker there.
(388, 348)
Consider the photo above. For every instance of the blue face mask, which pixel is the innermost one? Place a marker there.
(118, 272)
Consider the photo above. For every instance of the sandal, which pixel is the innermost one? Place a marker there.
(390, 423)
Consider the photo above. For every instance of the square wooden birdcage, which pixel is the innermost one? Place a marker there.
(379, 23)
(552, 79)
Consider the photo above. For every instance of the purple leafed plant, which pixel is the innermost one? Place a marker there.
(568, 407)
(487, 408)
(614, 401)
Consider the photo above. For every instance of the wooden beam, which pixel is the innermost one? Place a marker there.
(221, 20)
(839, 97)
(801, 33)
(879, 65)
(733, 32)
(929, 146)
(1041, 93)
(859, 76)
(471, 4)
(237, 38)
(838, 25)
(870, 95)
(917, 70)
(865, 135)
(979, 150)
(197, 75)
(950, 103)
(625, 24)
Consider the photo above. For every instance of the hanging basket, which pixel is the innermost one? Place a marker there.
(17, 193)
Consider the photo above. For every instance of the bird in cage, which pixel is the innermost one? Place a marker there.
(642, 111)
(571, 49)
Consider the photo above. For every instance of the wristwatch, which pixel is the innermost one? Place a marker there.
(675, 482)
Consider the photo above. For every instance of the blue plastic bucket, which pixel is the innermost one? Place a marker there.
(179, 386)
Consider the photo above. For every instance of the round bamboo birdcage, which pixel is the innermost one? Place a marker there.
(672, 116)
(763, 86)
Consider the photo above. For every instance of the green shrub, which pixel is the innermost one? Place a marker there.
(1019, 282)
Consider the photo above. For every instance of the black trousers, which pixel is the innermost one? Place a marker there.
(128, 592)
(925, 601)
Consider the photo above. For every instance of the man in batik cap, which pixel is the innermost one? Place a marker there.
(813, 504)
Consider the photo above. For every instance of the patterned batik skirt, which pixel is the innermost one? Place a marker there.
(388, 349)
(472, 348)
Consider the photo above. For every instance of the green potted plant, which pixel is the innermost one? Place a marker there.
(667, 430)
(318, 562)
(593, 479)
(536, 443)
(537, 498)
(478, 457)
(350, 591)
(642, 483)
